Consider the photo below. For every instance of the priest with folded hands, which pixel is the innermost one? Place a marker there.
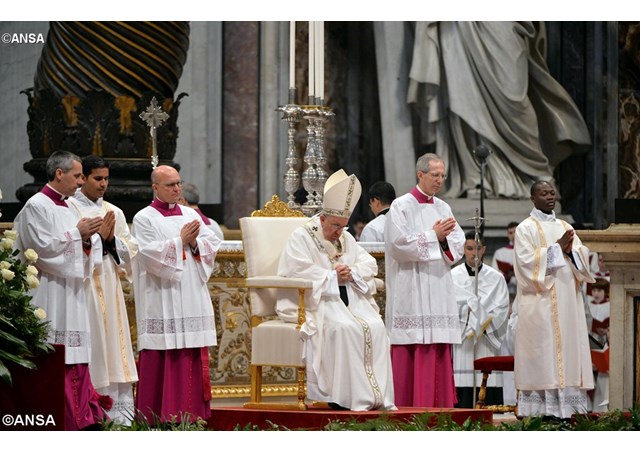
(173, 306)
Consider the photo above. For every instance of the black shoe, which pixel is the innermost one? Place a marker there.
(337, 407)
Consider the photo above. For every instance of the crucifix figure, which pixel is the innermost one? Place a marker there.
(154, 116)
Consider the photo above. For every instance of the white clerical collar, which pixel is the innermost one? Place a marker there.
(81, 196)
(429, 197)
(164, 204)
(538, 214)
(62, 196)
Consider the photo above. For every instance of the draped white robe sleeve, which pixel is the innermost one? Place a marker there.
(347, 349)
(488, 82)
(421, 308)
(173, 304)
(63, 268)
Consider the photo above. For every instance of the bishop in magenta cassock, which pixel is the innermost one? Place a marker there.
(63, 242)
(422, 242)
(173, 306)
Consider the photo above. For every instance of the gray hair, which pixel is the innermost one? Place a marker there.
(424, 162)
(62, 160)
(191, 194)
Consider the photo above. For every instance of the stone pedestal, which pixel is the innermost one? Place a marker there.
(619, 246)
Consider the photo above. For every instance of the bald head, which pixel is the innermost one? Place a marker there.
(166, 184)
(163, 171)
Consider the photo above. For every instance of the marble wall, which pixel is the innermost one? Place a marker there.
(199, 145)
(18, 62)
(629, 108)
(240, 121)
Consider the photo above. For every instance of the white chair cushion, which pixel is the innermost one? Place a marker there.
(276, 343)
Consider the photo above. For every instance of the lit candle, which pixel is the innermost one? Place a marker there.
(292, 54)
(312, 68)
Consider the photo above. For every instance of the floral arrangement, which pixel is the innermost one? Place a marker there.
(23, 327)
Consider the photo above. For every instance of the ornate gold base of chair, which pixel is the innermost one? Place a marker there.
(486, 365)
(256, 393)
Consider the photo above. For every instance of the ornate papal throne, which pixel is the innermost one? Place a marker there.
(274, 343)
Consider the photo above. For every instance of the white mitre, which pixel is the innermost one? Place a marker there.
(341, 194)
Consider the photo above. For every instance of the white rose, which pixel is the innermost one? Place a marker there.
(6, 243)
(5, 265)
(31, 270)
(31, 255)
(32, 281)
(40, 313)
(7, 274)
(11, 234)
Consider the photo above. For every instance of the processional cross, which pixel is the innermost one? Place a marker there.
(154, 116)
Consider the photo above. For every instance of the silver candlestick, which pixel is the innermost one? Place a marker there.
(291, 114)
(315, 175)
(310, 174)
(324, 113)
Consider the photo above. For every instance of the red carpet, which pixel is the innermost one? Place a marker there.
(228, 418)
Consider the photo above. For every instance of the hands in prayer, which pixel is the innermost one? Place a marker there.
(107, 229)
(566, 241)
(443, 227)
(344, 273)
(189, 233)
(88, 226)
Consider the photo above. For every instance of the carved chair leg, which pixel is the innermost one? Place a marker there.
(302, 393)
(483, 390)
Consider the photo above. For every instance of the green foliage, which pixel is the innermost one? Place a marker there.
(139, 422)
(22, 333)
(611, 421)
(420, 422)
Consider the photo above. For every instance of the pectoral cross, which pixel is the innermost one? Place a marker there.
(154, 116)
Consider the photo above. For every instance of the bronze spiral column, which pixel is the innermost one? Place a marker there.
(92, 81)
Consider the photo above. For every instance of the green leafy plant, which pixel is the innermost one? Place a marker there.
(23, 328)
(139, 422)
(610, 421)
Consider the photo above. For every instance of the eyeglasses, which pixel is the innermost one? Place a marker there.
(336, 227)
(437, 175)
(171, 185)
